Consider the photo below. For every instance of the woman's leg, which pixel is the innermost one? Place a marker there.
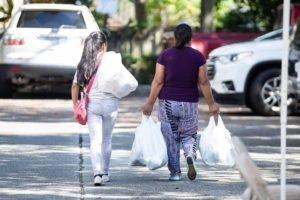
(188, 126)
(108, 124)
(95, 131)
(169, 128)
(189, 145)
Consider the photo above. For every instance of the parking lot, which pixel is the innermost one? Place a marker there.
(44, 154)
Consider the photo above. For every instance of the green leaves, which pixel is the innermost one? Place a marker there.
(253, 15)
(172, 12)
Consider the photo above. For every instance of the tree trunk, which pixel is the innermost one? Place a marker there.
(105, 20)
(206, 16)
(140, 12)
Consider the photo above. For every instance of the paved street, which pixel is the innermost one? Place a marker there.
(44, 155)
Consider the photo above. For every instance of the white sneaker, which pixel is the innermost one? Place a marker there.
(105, 178)
(98, 180)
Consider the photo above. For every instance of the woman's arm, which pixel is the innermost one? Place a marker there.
(74, 93)
(156, 86)
(204, 85)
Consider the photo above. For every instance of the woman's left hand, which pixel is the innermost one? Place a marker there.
(214, 109)
(147, 109)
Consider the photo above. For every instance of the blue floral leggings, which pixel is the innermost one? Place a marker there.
(179, 125)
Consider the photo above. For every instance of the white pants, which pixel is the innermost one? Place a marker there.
(102, 115)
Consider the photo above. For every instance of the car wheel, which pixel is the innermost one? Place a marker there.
(5, 90)
(265, 96)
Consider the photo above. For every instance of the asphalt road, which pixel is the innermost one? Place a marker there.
(44, 154)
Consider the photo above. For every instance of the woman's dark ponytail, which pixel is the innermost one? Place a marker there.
(183, 35)
(87, 66)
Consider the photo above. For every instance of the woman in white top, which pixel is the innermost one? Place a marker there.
(102, 107)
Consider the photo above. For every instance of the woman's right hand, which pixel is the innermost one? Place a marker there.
(214, 109)
(147, 109)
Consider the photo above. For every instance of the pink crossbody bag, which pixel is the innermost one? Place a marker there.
(80, 112)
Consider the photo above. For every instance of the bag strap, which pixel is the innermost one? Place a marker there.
(90, 84)
(91, 81)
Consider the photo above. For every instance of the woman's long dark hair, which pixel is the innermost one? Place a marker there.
(183, 35)
(87, 66)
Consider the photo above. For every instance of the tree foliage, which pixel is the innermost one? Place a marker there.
(172, 12)
(251, 15)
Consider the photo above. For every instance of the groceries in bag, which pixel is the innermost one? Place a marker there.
(215, 144)
(149, 147)
(114, 78)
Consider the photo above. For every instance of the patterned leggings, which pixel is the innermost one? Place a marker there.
(179, 124)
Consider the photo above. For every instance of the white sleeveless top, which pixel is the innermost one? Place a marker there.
(95, 92)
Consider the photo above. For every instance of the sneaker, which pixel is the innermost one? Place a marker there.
(105, 178)
(191, 168)
(175, 178)
(98, 180)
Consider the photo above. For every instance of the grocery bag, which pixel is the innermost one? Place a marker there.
(113, 76)
(149, 147)
(215, 144)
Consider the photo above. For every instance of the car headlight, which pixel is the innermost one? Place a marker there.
(225, 59)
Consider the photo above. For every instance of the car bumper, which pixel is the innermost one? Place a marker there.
(228, 78)
(30, 74)
(234, 98)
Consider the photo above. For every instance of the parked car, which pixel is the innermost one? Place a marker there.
(206, 42)
(42, 46)
(249, 73)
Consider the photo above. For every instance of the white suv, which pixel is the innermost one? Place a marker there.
(249, 73)
(43, 45)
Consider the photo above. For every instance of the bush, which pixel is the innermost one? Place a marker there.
(129, 62)
(142, 68)
(146, 68)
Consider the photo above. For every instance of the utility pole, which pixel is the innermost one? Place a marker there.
(284, 87)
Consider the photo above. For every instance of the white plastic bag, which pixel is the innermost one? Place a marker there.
(114, 77)
(149, 147)
(215, 144)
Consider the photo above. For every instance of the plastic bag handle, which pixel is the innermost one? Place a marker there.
(220, 122)
(212, 121)
(145, 117)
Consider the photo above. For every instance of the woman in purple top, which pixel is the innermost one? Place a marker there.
(180, 72)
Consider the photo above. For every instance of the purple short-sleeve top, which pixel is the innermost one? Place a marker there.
(181, 74)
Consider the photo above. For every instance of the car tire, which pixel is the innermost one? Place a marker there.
(5, 90)
(264, 93)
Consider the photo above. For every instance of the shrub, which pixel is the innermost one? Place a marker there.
(142, 68)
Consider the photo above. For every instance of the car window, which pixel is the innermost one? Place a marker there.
(270, 36)
(51, 19)
(277, 34)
